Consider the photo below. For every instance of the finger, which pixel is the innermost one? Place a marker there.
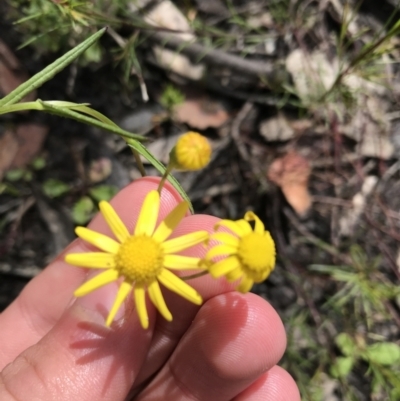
(45, 298)
(274, 385)
(79, 358)
(167, 334)
(233, 340)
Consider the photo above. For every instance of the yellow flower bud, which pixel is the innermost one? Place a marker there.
(191, 152)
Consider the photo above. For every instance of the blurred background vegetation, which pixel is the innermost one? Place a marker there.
(301, 102)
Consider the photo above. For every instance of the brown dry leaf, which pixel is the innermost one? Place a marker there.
(100, 169)
(11, 73)
(8, 150)
(30, 137)
(201, 113)
(291, 173)
(19, 146)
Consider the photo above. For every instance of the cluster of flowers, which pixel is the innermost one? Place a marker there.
(147, 257)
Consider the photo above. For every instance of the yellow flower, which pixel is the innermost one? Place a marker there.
(249, 255)
(191, 152)
(143, 259)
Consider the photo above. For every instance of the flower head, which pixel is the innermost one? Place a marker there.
(143, 259)
(191, 152)
(248, 255)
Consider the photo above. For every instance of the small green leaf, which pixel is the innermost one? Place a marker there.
(384, 353)
(93, 54)
(15, 174)
(342, 366)
(103, 192)
(82, 210)
(28, 175)
(53, 188)
(346, 344)
(171, 97)
(39, 163)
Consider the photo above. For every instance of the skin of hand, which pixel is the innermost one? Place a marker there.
(56, 347)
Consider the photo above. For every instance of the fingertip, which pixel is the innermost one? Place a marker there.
(260, 334)
(275, 385)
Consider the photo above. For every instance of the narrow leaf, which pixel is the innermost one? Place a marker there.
(41, 77)
(67, 112)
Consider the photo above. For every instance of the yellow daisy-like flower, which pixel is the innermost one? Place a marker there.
(249, 255)
(143, 259)
(191, 152)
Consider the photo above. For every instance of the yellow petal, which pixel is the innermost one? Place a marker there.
(117, 226)
(234, 275)
(219, 250)
(259, 226)
(140, 301)
(184, 242)
(148, 214)
(231, 225)
(101, 241)
(178, 262)
(158, 300)
(178, 286)
(224, 266)
(226, 239)
(245, 285)
(96, 282)
(123, 292)
(245, 226)
(169, 224)
(93, 260)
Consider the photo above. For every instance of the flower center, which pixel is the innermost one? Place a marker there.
(139, 259)
(257, 254)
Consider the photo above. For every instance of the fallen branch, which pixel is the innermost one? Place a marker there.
(197, 52)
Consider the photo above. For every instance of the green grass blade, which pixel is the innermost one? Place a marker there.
(47, 73)
(82, 108)
(160, 167)
(67, 112)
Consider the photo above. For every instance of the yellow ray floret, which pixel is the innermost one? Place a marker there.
(142, 259)
(247, 255)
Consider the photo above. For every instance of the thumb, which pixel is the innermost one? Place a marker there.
(79, 359)
(74, 360)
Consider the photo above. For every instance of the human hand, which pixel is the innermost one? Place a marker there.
(55, 347)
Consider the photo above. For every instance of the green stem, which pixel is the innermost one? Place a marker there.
(139, 162)
(167, 171)
(67, 111)
(192, 276)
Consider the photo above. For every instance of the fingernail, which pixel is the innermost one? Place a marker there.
(97, 304)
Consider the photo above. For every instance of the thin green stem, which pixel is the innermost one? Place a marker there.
(192, 276)
(139, 163)
(167, 171)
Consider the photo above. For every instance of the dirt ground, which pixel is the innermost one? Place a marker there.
(321, 171)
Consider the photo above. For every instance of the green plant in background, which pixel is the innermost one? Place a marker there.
(84, 209)
(56, 25)
(364, 291)
(359, 303)
(382, 359)
(171, 97)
